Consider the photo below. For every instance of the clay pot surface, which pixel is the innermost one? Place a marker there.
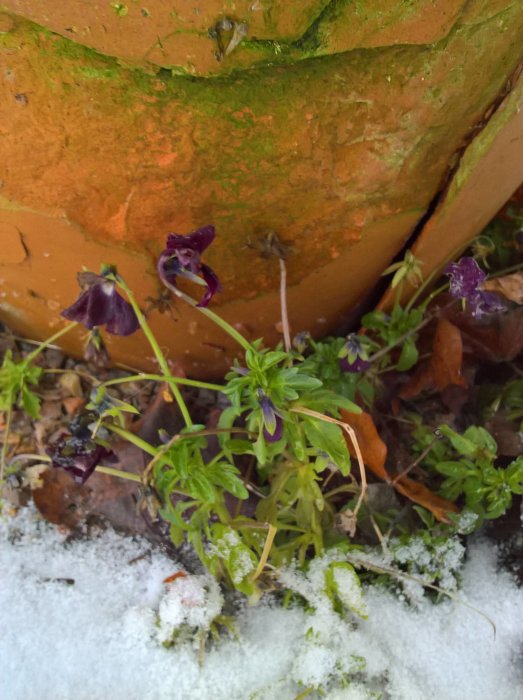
(338, 147)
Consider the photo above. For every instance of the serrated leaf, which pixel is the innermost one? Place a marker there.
(226, 476)
(328, 438)
(199, 486)
(30, 402)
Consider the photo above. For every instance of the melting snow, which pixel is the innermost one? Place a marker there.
(101, 636)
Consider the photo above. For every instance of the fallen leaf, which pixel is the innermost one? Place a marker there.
(373, 449)
(510, 286)
(447, 356)
(173, 577)
(420, 494)
(497, 338)
(374, 452)
(420, 380)
(71, 385)
(73, 404)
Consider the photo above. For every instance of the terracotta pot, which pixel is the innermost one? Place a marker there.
(334, 125)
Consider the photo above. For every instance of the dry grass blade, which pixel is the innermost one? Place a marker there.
(266, 551)
(380, 569)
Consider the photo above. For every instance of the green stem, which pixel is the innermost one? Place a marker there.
(131, 437)
(160, 378)
(160, 357)
(5, 445)
(103, 470)
(50, 341)
(238, 337)
(119, 473)
(506, 271)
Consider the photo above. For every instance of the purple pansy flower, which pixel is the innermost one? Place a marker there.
(272, 422)
(78, 456)
(78, 453)
(353, 355)
(101, 305)
(182, 257)
(466, 277)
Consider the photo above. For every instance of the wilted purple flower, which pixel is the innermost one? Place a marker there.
(182, 257)
(272, 422)
(353, 355)
(466, 277)
(483, 303)
(78, 455)
(101, 305)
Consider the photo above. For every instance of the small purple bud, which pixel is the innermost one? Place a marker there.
(272, 422)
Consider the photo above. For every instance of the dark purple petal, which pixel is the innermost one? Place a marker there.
(197, 241)
(278, 431)
(213, 284)
(484, 303)
(358, 365)
(168, 268)
(123, 320)
(78, 456)
(94, 307)
(465, 277)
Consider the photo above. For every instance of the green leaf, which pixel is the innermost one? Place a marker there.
(342, 582)
(199, 486)
(482, 439)
(460, 443)
(30, 402)
(301, 382)
(226, 476)
(260, 449)
(456, 470)
(409, 355)
(328, 438)
(324, 401)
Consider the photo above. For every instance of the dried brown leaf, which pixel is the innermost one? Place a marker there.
(510, 286)
(447, 356)
(439, 507)
(373, 449)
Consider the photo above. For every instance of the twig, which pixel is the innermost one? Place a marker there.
(411, 466)
(380, 569)
(283, 302)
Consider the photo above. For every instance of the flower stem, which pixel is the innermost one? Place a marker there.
(131, 437)
(5, 445)
(160, 357)
(283, 302)
(160, 378)
(50, 341)
(238, 337)
(119, 473)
